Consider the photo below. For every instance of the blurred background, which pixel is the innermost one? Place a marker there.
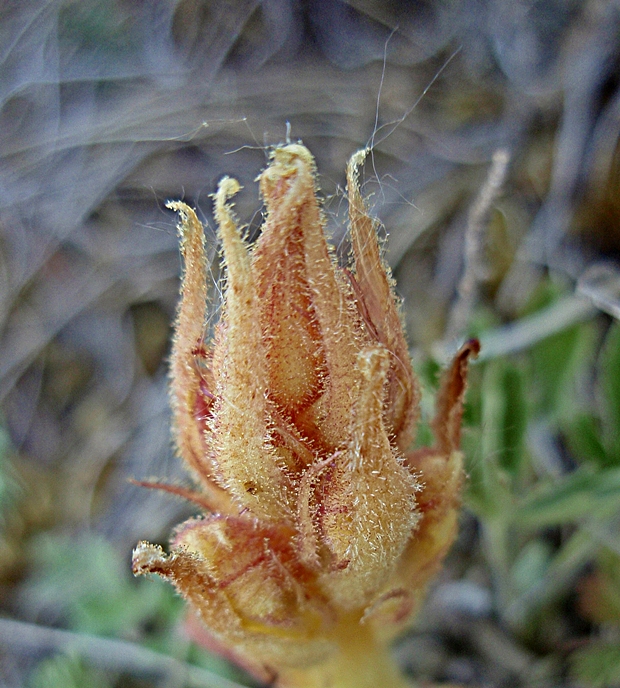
(495, 170)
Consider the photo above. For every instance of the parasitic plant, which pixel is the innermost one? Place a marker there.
(322, 528)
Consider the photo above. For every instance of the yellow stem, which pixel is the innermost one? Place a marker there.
(361, 662)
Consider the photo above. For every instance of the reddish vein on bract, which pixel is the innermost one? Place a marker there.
(296, 422)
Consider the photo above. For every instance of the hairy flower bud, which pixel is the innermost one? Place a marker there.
(321, 527)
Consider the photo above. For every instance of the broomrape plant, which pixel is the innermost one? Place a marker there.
(322, 528)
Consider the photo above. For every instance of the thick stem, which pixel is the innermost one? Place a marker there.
(361, 662)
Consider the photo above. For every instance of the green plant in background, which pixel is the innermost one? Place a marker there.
(86, 584)
(544, 464)
(64, 671)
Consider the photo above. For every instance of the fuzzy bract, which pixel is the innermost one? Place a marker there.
(296, 422)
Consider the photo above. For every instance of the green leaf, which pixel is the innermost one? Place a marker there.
(514, 422)
(487, 491)
(531, 565)
(504, 416)
(609, 382)
(558, 363)
(580, 495)
(89, 582)
(494, 450)
(480, 493)
(62, 671)
(597, 665)
(583, 435)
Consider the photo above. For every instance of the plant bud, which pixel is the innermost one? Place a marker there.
(321, 527)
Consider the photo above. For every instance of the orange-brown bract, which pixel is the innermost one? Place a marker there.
(322, 529)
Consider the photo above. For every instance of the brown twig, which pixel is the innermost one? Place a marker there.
(474, 234)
